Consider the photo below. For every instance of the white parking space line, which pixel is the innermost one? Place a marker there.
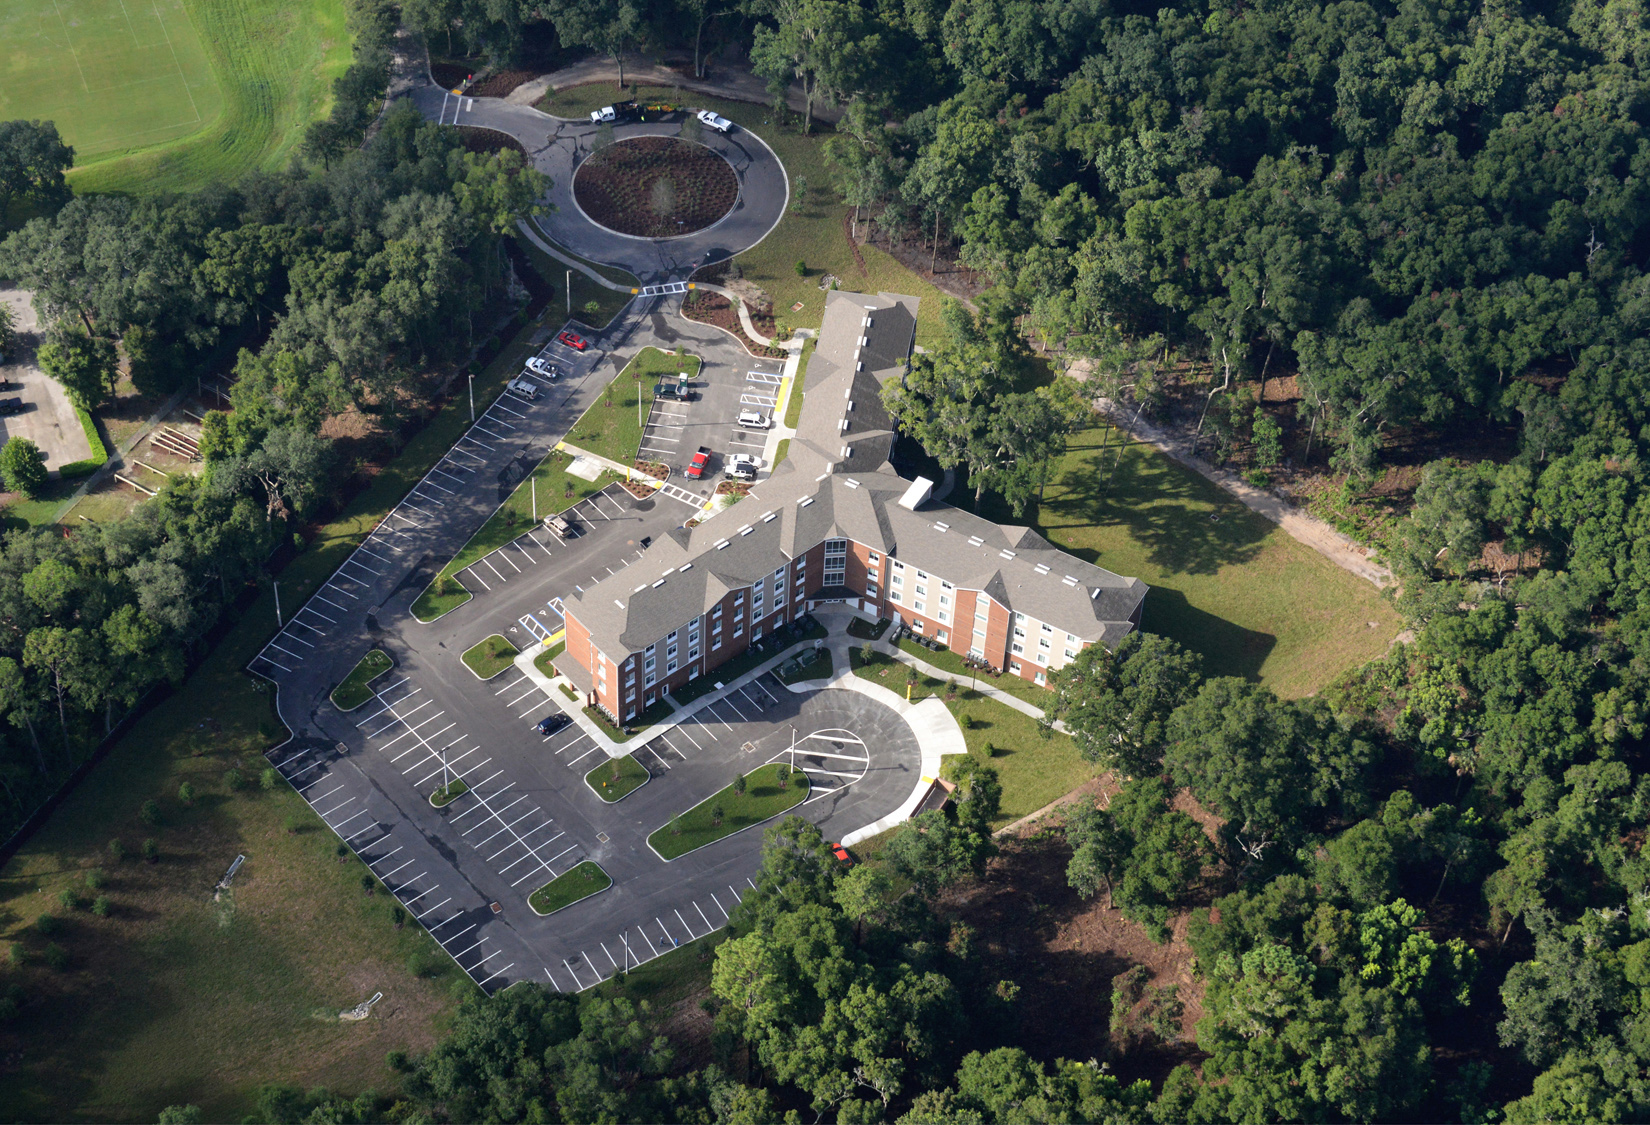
(471, 568)
(708, 926)
(683, 920)
(335, 808)
(506, 558)
(583, 756)
(433, 909)
(494, 569)
(680, 729)
(657, 756)
(420, 894)
(727, 702)
(352, 835)
(501, 972)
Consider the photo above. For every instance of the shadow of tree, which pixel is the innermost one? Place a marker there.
(1228, 649)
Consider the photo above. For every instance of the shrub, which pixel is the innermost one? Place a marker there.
(70, 898)
(101, 906)
(186, 794)
(399, 1062)
(716, 813)
(17, 953)
(117, 850)
(966, 721)
(739, 784)
(95, 879)
(592, 308)
(151, 850)
(783, 773)
(398, 916)
(801, 269)
(341, 851)
(150, 813)
(22, 466)
(235, 780)
(48, 925)
(368, 884)
(269, 779)
(56, 957)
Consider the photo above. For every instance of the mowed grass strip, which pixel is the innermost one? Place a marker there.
(355, 691)
(612, 427)
(490, 656)
(1224, 581)
(617, 778)
(811, 230)
(762, 800)
(450, 792)
(569, 887)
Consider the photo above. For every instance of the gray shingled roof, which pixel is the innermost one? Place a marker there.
(819, 494)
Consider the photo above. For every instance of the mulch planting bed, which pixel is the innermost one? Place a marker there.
(655, 187)
(487, 140)
(500, 84)
(713, 308)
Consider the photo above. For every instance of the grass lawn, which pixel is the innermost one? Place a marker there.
(666, 979)
(492, 656)
(1224, 581)
(450, 792)
(762, 800)
(543, 661)
(354, 691)
(177, 999)
(569, 887)
(617, 778)
(172, 95)
(950, 662)
(661, 707)
(611, 427)
(793, 403)
(608, 301)
(810, 232)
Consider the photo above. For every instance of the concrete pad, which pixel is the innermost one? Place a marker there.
(585, 468)
(48, 417)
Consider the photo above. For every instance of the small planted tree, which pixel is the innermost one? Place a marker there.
(22, 467)
(867, 655)
(368, 884)
(676, 825)
(151, 850)
(716, 813)
(783, 774)
(149, 813)
(101, 906)
(739, 785)
(269, 779)
(186, 794)
(117, 850)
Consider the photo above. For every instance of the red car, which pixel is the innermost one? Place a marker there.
(842, 854)
(572, 340)
(696, 468)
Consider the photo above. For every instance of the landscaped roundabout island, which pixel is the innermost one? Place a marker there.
(655, 187)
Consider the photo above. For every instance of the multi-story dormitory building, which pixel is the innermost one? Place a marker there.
(835, 523)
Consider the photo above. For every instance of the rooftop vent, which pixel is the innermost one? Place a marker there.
(975, 540)
(851, 482)
(767, 517)
(1006, 554)
(668, 573)
(720, 543)
(848, 451)
(1094, 593)
(842, 426)
(1069, 580)
(618, 603)
(746, 530)
(921, 489)
(1042, 568)
(659, 583)
(687, 566)
(640, 588)
(939, 526)
(806, 500)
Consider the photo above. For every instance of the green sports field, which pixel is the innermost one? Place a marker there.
(159, 95)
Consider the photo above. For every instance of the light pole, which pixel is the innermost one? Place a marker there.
(472, 397)
(276, 584)
(569, 287)
(535, 481)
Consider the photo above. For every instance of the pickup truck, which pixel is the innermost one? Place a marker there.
(701, 461)
(679, 389)
(618, 111)
(743, 467)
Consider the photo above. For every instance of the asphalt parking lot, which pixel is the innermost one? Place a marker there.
(729, 383)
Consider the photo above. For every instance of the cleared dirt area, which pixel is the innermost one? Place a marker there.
(655, 187)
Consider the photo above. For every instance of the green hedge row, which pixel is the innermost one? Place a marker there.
(100, 453)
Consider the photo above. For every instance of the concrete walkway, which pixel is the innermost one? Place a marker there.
(744, 313)
(984, 689)
(533, 236)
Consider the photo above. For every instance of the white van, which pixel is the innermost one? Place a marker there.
(524, 388)
(753, 420)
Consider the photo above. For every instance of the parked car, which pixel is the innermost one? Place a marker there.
(544, 368)
(552, 723)
(753, 420)
(715, 120)
(561, 527)
(11, 406)
(523, 388)
(696, 467)
(842, 854)
(743, 467)
(679, 390)
(572, 340)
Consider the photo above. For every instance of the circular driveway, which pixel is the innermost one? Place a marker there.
(558, 145)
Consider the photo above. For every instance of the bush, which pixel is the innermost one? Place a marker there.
(235, 780)
(399, 1062)
(48, 925)
(17, 953)
(22, 466)
(269, 779)
(369, 884)
(56, 957)
(186, 794)
(70, 898)
(95, 879)
(150, 813)
(101, 906)
(966, 721)
(100, 452)
(117, 850)
(151, 850)
(738, 785)
(801, 269)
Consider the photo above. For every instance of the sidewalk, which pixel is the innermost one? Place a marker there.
(533, 236)
(986, 690)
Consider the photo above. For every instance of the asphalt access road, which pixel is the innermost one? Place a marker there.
(557, 146)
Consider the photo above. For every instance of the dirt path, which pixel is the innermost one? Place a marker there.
(1339, 549)
(730, 82)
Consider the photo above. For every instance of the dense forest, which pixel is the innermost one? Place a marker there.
(1424, 895)
(351, 285)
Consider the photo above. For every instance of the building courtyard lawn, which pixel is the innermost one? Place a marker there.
(355, 691)
(490, 657)
(612, 427)
(1224, 581)
(616, 778)
(569, 887)
(762, 800)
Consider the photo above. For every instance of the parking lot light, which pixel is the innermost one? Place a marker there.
(472, 396)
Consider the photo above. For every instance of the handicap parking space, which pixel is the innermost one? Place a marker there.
(676, 430)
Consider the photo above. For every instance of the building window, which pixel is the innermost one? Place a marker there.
(919, 606)
(897, 580)
(1041, 678)
(1042, 658)
(922, 591)
(916, 626)
(756, 634)
(893, 595)
(1048, 629)
(1071, 654)
(922, 576)
(945, 599)
(650, 698)
(872, 557)
(870, 589)
(1042, 642)
(715, 644)
(1014, 666)
(1019, 619)
(945, 615)
(1017, 647)
(976, 652)
(693, 653)
(739, 629)
(670, 666)
(942, 635)
(1018, 632)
